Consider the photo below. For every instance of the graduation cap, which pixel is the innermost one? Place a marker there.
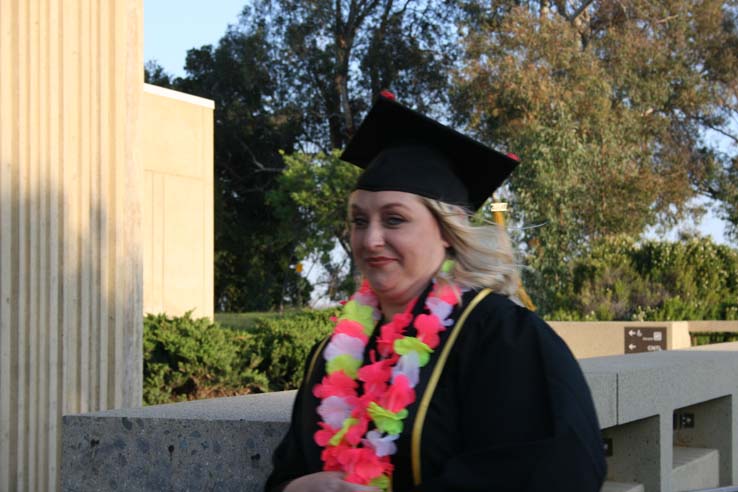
(403, 150)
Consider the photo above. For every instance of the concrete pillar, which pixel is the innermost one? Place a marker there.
(70, 223)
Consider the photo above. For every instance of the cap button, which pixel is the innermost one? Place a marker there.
(387, 95)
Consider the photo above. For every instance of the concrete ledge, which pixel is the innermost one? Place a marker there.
(712, 326)
(603, 338)
(226, 443)
(694, 468)
(219, 444)
(622, 487)
(650, 388)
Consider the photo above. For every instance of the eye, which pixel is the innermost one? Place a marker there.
(394, 220)
(358, 221)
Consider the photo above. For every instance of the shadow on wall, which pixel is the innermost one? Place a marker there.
(70, 323)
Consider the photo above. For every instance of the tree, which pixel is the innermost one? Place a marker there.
(335, 57)
(254, 267)
(296, 76)
(621, 279)
(154, 74)
(720, 183)
(311, 195)
(608, 103)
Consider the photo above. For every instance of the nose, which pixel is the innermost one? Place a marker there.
(374, 238)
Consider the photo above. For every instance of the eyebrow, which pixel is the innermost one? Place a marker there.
(385, 206)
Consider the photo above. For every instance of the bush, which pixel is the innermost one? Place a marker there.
(624, 280)
(710, 338)
(189, 359)
(281, 344)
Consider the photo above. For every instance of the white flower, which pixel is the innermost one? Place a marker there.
(441, 309)
(383, 446)
(344, 344)
(409, 365)
(334, 410)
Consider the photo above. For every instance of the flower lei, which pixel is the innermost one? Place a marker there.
(388, 382)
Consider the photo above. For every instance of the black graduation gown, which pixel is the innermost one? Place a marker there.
(511, 412)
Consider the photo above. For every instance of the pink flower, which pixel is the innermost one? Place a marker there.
(361, 403)
(362, 465)
(351, 328)
(389, 332)
(399, 396)
(324, 434)
(330, 455)
(365, 288)
(375, 377)
(366, 296)
(428, 327)
(445, 292)
(356, 432)
(335, 384)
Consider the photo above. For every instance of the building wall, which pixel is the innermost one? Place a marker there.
(70, 223)
(177, 154)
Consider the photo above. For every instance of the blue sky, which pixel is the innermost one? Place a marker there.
(171, 27)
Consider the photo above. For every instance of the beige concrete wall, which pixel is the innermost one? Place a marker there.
(601, 338)
(177, 153)
(70, 223)
(712, 326)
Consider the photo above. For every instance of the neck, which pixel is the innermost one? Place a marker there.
(391, 305)
(390, 309)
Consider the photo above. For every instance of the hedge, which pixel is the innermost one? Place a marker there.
(709, 338)
(188, 359)
(623, 279)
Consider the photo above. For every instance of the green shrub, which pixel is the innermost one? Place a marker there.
(709, 338)
(283, 343)
(621, 279)
(187, 358)
(244, 321)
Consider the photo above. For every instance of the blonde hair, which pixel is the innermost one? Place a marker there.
(483, 255)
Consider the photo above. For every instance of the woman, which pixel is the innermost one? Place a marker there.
(433, 380)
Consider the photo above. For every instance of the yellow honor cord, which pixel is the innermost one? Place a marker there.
(432, 383)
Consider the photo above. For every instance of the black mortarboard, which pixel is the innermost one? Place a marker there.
(403, 150)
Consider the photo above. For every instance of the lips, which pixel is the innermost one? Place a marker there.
(379, 261)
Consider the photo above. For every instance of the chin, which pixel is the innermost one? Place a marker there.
(381, 284)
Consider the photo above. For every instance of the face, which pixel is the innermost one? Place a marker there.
(396, 242)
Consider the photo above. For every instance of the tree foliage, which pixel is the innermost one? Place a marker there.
(608, 104)
(614, 107)
(335, 57)
(253, 258)
(621, 279)
(311, 195)
(295, 76)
